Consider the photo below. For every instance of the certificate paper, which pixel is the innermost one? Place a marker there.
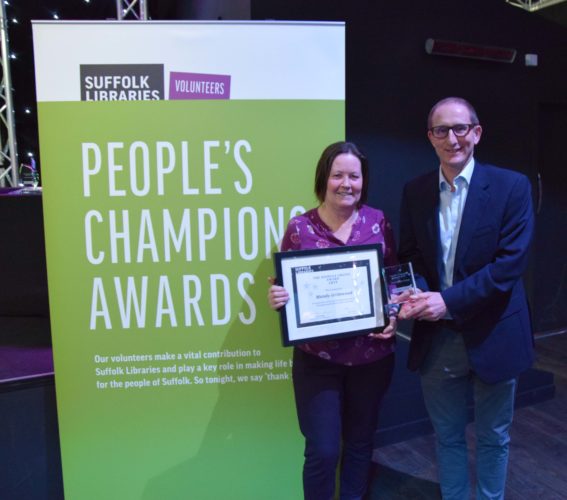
(334, 292)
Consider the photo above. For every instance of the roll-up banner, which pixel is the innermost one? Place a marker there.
(172, 156)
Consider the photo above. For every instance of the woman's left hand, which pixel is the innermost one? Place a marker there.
(388, 332)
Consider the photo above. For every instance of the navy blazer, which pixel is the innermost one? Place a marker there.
(487, 300)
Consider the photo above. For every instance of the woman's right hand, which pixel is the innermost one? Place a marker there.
(277, 295)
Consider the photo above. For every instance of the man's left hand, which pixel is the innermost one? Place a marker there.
(388, 332)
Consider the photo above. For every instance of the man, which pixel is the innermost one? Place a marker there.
(466, 228)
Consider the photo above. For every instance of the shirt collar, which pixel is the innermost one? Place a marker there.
(466, 175)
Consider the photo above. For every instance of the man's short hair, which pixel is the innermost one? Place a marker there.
(455, 100)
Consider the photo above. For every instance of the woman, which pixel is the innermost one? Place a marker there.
(339, 384)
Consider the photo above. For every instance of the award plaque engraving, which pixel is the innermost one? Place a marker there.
(397, 280)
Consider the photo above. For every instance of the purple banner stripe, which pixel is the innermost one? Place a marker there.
(198, 86)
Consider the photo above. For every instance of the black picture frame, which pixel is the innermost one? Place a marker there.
(334, 293)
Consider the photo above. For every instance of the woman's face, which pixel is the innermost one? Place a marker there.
(345, 182)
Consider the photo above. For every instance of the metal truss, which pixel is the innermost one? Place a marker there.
(136, 10)
(533, 5)
(8, 150)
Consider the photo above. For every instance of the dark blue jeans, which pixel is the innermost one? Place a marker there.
(338, 404)
(445, 379)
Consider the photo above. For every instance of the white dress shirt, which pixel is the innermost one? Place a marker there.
(451, 204)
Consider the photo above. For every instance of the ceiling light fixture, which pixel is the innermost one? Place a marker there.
(533, 5)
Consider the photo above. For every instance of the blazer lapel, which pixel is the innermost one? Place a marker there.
(430, 210)
(476, 204)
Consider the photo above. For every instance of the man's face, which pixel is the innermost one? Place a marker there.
(453, 152)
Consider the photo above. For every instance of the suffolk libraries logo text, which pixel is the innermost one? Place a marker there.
(121, 82)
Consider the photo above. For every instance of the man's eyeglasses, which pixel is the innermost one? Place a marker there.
(459, 130)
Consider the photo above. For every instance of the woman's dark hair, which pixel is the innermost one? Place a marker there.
(326, 162)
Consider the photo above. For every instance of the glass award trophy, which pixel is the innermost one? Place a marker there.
(397, 280)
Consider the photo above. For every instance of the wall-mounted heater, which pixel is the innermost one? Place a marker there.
(437, 47)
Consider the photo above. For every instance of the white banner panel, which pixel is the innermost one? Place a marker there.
(172, 157)
(292, 61)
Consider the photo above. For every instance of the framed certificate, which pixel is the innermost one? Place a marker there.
(333, 292)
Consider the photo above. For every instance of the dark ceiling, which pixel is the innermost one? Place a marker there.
(557, 13)
(20, 14)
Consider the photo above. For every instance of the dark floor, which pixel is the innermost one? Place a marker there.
(405, 470)
(538, 453)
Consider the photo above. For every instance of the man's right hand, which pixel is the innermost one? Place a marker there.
(426, 306)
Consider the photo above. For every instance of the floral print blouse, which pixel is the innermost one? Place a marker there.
(308, 231)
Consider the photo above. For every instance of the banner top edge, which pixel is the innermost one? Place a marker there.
(172, 22)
